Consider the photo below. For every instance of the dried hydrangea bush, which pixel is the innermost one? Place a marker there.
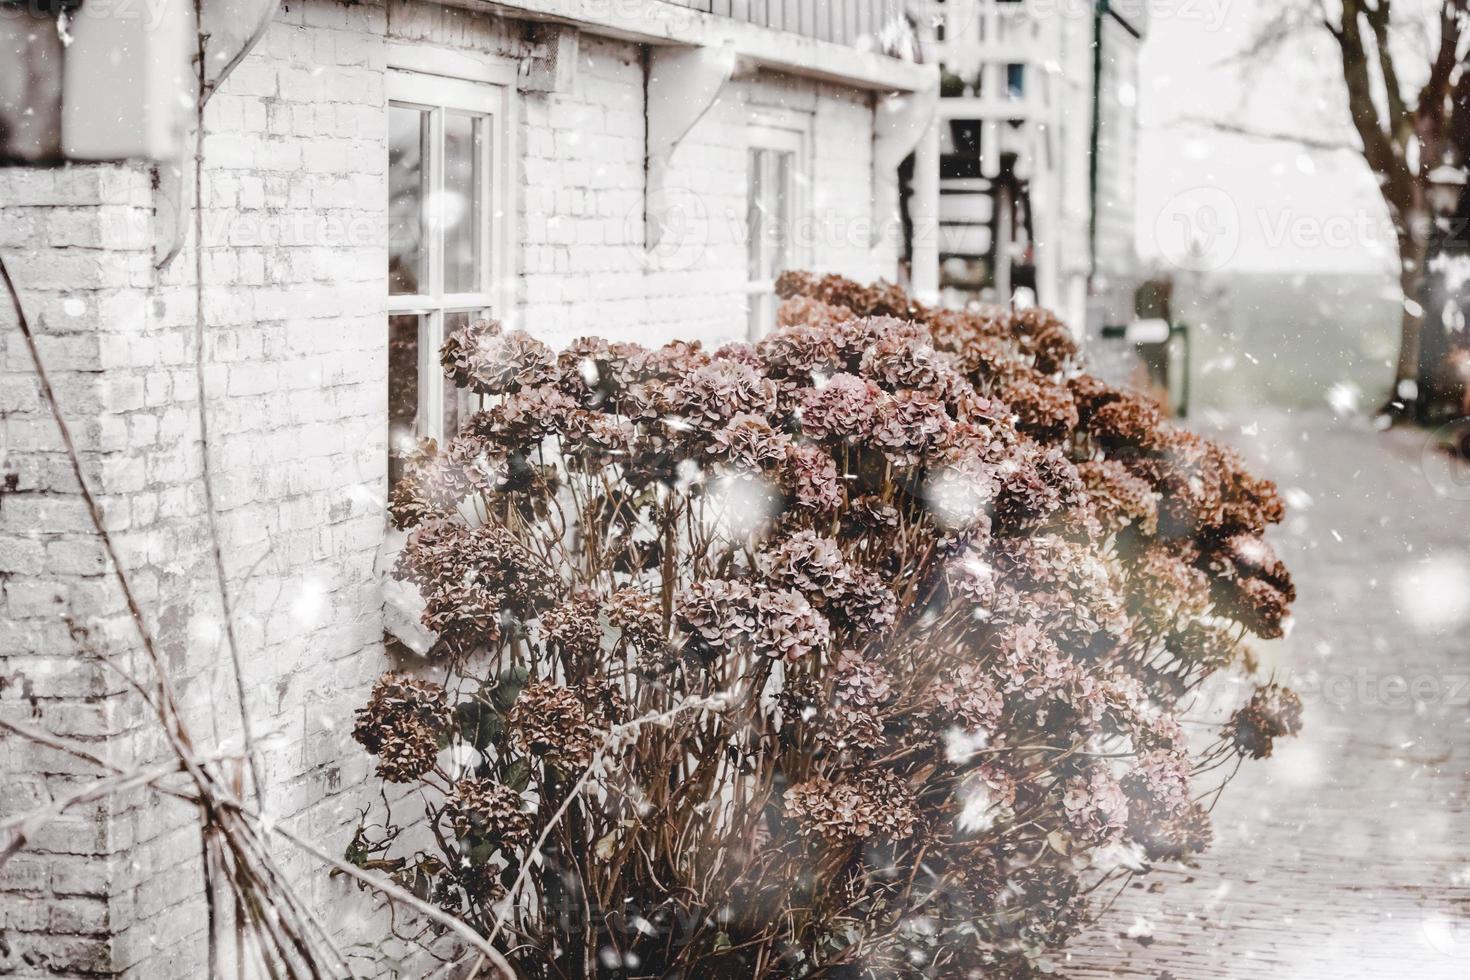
(857, 651)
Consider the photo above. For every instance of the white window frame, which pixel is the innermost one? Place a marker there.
(786, 133)
(441, 80)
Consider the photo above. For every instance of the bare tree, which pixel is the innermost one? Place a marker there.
(1411, 116)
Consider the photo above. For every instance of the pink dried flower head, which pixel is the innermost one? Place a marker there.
(1166, 587)
(592, 439)
(866, 606)
(465, 614)
(489, 809)
(740, 352)
(1044, 410)
(402, 723)
(844, 728)
(487, 359)
(719, 613)
(1042, 334)
(1095, 806)
(718, 392)
(787, 627)
(747, 442)
(1120, 498)
(550, 720)
(862, 682)
(908, 424)
(594, 372)
(669, 362)
(1272, 712)
(573, 628)
(1260, 604)
(799, 351)
(811, 564)
(810, 481)
(896, 362)
(840, 409)
(970, 698)
(806, 311)
(875, 804)
(853, 338)
(523, 419)
(639, 615)
(1127, 420)
(1034, 667)
(483, 568)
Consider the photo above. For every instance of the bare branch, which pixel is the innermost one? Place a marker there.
(1239, 129)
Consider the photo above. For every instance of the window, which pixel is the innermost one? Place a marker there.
(447, 243)
(775, 188)
(1016, 80)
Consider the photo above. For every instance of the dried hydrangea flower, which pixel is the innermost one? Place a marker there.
(1096, 806)
(840, 409)
(718, 392)
(787, 627)
(720, 613)
(402, 723)
(876, 804)
(574, 628)
(866, 604)
(1272, 712)
(908, 424)
(553, 721)
(748, 442)
(1121, 499)
(487, 359)
(810, 563)
(810, 481)
(798, 350)
(970, 698)
(486, 808)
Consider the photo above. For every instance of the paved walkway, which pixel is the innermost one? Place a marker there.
(1347, 854)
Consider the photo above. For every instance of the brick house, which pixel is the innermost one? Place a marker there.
(373, 173)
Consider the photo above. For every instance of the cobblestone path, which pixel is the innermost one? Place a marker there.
(1347, 854)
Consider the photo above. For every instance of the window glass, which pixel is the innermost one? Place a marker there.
(770, 213)
(404, 344)
(441, 182)
(1015, 80)
(459, 209)
(408, 137)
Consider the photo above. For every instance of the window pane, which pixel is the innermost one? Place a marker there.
(754, 226)
(456, 400)
(404, 336)
(780, 250)
(460, 211)
(1016, 80)
(408, 172)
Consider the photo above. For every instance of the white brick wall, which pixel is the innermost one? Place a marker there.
(295, 270)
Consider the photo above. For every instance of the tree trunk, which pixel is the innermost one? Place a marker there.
(1413, 250)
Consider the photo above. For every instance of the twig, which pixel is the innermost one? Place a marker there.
(226, 606)
(614, 735)
(394, 892)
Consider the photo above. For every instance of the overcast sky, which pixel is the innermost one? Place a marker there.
(1248, 204)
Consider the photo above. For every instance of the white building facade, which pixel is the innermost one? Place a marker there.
(1038, 135)
(373, 174)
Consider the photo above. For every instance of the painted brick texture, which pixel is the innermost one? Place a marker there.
(295, 260)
